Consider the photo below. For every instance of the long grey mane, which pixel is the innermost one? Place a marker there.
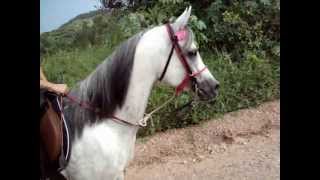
(105, 88)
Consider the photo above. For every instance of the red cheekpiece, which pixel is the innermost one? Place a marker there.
(180, 35)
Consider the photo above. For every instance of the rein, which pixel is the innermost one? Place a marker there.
(190, 76)
(97, 111)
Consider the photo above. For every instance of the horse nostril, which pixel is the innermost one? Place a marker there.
(217, 87)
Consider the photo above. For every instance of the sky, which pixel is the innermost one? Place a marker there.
(54, 13)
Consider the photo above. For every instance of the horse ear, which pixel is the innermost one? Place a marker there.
(182, 21)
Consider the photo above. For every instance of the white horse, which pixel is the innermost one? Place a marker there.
(103, 141)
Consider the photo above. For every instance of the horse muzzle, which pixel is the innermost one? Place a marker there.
(207, 89)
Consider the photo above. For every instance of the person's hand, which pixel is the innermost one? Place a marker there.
(61, 89)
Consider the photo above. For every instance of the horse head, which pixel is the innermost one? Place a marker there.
(179, 63)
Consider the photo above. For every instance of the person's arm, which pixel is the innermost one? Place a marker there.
(57, 88)
(42, 76)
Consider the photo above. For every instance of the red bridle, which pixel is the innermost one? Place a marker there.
(190, 76)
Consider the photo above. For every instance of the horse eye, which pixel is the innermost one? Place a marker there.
(192, 53)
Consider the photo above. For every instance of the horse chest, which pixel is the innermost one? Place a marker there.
(102, 149)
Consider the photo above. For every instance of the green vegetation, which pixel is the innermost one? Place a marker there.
(239, 41)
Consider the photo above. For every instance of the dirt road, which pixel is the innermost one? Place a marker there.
(240, 145)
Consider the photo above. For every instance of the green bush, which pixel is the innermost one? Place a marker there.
(235, 26)
(243, 84)
(72, 66)
(232, 26)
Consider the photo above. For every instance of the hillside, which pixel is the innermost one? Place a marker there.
(80, 18)
(67, 35)
(96, 28)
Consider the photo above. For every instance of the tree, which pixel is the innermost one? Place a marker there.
(116, 4)
(110, 4)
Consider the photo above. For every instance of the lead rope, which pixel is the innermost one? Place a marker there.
(143, 121)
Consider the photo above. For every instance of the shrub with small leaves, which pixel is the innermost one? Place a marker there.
(171, 1)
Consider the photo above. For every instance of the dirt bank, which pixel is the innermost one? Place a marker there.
(240, 145)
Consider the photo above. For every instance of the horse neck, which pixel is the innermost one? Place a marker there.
(141, 82)
(145, 73)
